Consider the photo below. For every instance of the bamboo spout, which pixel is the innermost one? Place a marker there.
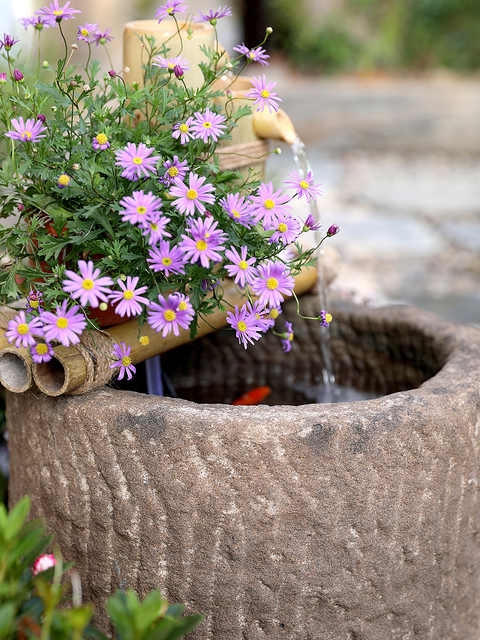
(86, 366)
(15, 369)
(274, 126)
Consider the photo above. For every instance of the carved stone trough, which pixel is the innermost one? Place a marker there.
(355, 521)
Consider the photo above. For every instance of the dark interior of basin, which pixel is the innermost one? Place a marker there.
(379, 351)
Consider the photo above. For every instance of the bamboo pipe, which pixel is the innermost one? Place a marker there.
(15, 368)
(274, 126)
(85, 367)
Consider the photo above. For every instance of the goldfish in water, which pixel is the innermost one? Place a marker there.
(254, 396)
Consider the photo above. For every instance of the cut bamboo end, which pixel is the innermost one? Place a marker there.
(274, 126)
(15, 369)
(64, 373)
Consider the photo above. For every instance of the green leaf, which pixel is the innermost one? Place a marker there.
(17, 517)
(7, 614)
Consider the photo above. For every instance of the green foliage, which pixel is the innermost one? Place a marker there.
(40, 606)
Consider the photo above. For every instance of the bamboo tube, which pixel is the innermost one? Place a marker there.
(193, 37)
(274, 126)
(88, 364)
(15, 369)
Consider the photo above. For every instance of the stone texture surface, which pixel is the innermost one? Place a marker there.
(355, 521)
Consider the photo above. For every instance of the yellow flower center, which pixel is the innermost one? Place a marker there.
(169, 315)
(264, 93)
(88, 284)
(137, 160)
(170, 10)
(242, 326)
(182, 306)
(58, 12)
(201, 245)
(144, 340)
(235, 213)
(171, 66)
(85, 32)
(141, 210)
(243, 264)
(27, 135)
(167, 261)
(273, 314)
(183, 128)
(304, 184)
(172, 172)
(192, 194)
(272, 283)
(41, 349)
(126, 361)
(251, 55)
(154, 226)
(64, 180)
(101, 138)
(33, 304)
(23, 328)
(62, 323)
(128, 294)
(328, 317)
(282, 227)
(290, 337)
(269, 203)
(207, 125)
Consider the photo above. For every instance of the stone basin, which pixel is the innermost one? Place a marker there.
(355, 521)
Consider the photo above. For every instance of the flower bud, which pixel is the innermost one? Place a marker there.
(75, 166)
(103, 306)
(75, 46)
(45, 64)
(3, 77)
(43, 562)
(112, 73)
(20, 206)
(17, 75)
(277, 151)
(333, 230)
(268, 30)
(41, 117)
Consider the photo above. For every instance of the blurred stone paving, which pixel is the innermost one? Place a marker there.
(399, 162)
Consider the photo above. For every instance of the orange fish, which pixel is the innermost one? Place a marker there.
(254, 396)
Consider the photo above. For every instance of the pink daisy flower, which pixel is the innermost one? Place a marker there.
(212, 15)
(170, 63)
(238, 209)
(43, 562)
(263, 95)
(55, 13)
(166, 259)
(191, 197)
(65, 325)
(207, 126)
(22, 332)
(170, 314)
(124, 361)
(169, 9)
(245, 324)
(268, 204)
(41, 352)
(129, 298)
(265, 316)
(257, 54)
(240, 268)
(100, 142)
(175, 170)
(154, 228)
(286, 228)
(272, 283)
(29, 131)
(304, 185)
(138, 206)
(182, 131)
(87, 32)
(136, 161)
(204, 243)
(89, 287)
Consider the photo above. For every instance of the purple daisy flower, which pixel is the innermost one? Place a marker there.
(245, 324)
(286, 228)
(238, 209)
(287, 337)
(304, 185)
(29, 131)
(138, 206)
(22, 332)
(191, 197)
(169, 9)
(41, 352)
(263, 95)
(124, 362)
(268, 204)
(265, 317)
(175, 170)
(100, 142)
(240, 268)
(7, 42)
(153, 227)
(3, 77)
(310, 224)
(333, 230)
(65, 325)
(325, 318)
(129, 299)
(256, 54)
(182, 130)
(212, 15)
(55, 13)
(87, 32)
(170, 314)
(103, 37)
(166, 259)
(207, 125)
(34, 301)
(89, 286)
(205, 242)
(272, 283)
(37, 22)
(136, 161)
(170, 63)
